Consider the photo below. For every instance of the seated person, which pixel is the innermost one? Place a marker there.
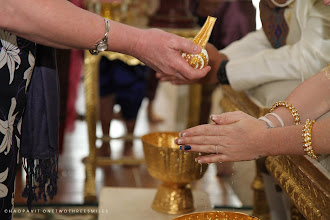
(124, 85)
(292, 45)
(236, 136)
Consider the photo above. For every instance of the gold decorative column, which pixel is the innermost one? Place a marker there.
(91, 79)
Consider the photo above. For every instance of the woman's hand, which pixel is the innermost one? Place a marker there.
(236, 136)
(215, 59)
(161, 51)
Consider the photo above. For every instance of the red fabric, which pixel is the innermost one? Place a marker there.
(75, 70)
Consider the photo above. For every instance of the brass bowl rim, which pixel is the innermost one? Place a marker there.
(143, 137)
(196, 213)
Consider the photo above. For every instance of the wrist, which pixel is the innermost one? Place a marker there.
(275, 119)
(222, 73)
(121, 39)
(134, 44)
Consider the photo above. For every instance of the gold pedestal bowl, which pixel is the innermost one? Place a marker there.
(216, 215)
(176, 169)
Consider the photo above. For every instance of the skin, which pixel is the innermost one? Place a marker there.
(215, 59)
(236, 136)
(239, 136)
(326, 2)
(40, 21)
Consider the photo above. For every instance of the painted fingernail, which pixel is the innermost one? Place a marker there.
(196, 160)
(187, 147)
(180, 147)
(178, 141)
(182, 134)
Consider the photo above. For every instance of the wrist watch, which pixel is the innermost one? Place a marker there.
(103, 44)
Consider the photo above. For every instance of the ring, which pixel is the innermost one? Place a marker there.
(216, 149)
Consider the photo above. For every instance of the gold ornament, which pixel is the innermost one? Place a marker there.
(198, 61)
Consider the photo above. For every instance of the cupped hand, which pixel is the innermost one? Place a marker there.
(161, 51)
(215, 59)
(235, 136)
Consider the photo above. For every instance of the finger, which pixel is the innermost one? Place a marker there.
(189, 72)
(228, 117)
(200, 140)
(185, 45)
(200, 73)
(213, 158)
(202, 148)
(159, 75)
(170, 78)
(206, 129)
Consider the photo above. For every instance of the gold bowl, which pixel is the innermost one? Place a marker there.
(216, 215)
(176, 169)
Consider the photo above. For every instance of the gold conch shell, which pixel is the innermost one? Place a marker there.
(198, 61)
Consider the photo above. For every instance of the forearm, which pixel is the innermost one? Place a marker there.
(61, 24)
(246, 46)
(288, 140)
(311, 99)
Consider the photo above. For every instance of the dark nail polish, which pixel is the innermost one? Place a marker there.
(187, 147)
(180, 147)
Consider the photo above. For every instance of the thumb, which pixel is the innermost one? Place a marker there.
(227, 118)
(187, 46)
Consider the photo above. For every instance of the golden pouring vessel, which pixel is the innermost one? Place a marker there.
(198, 61)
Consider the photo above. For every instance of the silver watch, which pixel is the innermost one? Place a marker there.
(103, 44)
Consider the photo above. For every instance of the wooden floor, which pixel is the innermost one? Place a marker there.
(72, 169)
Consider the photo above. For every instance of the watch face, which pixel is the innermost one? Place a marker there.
(102, 46)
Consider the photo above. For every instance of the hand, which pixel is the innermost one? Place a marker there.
(215, 59)
(236, 136)
(161, 51)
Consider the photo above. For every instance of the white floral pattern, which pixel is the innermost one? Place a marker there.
(7, 128)
(17, 60)
(28, 72)
(3, 188)
(18, 140)
(9, 53)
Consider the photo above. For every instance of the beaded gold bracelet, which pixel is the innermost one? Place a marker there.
(291, 108)
(307, 138)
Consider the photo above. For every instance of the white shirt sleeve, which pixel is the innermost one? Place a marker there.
(254, 62)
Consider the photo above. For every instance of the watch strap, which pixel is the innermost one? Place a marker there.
(222, 74)
(103, 44)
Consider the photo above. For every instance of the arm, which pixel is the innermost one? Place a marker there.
(311, 99)
(251, 44)
(239, 136)
(61, 24)
(242, 137)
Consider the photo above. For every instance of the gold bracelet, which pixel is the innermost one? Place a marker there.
(291, 108)
(307, 138)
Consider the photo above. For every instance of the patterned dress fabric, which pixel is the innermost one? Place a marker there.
(17, 60)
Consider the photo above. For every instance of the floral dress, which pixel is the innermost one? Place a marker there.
(17, 60)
